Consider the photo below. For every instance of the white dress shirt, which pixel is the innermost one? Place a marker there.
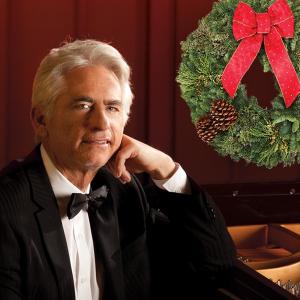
(78, 232)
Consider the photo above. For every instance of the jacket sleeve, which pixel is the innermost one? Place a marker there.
(10, 262)
(11, 286)
(188, 234)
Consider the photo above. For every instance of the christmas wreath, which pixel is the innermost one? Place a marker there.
(217, 55)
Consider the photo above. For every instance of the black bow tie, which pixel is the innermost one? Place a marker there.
(80, 201)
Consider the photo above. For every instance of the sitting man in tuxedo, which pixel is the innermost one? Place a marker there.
(76, 223)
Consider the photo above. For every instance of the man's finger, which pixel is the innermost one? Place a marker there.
(121, 158)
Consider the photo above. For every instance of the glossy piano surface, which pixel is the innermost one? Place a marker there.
(264, 221)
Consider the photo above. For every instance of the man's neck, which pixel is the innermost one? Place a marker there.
(79, 178)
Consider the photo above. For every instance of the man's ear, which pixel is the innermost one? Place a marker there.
(38, 121)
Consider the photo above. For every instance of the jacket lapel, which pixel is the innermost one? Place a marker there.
(105, 230)
(49, 221)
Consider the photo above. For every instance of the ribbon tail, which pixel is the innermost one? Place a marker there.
(240, 62)
(282, 67)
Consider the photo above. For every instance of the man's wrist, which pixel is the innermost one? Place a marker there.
(164, 170)
(177, 183)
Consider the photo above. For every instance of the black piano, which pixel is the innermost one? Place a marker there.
(264, 221)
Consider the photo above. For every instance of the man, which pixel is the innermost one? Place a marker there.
(122, 241)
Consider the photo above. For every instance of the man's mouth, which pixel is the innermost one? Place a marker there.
(105, 141)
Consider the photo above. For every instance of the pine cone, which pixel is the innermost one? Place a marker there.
(223, 115)
(208, 136)
(203, 123)
(205, 130)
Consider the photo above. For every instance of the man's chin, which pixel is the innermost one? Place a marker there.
(95, 165)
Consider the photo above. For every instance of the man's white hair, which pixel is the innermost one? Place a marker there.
(49, 81)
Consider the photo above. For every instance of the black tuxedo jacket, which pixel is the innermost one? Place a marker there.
(151, 245)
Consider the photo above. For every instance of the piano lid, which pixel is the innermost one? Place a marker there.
(257, 203)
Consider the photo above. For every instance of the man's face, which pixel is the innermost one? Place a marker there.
(87, 121)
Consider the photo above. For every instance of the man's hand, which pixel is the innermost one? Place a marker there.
(136, 157)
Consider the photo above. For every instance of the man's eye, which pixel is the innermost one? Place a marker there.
(112, 108)
(84, 106)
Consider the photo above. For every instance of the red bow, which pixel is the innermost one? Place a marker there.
(253, 28)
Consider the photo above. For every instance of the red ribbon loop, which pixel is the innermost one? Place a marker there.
(252, 29)
(263, 23)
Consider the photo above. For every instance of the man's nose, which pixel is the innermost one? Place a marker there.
(98, 119)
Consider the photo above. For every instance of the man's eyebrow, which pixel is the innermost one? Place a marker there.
(84, 99)
(113, 102)
(92, 100)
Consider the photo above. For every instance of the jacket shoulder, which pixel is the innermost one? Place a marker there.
(12, 173)
(15, 172)
(14, 188)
